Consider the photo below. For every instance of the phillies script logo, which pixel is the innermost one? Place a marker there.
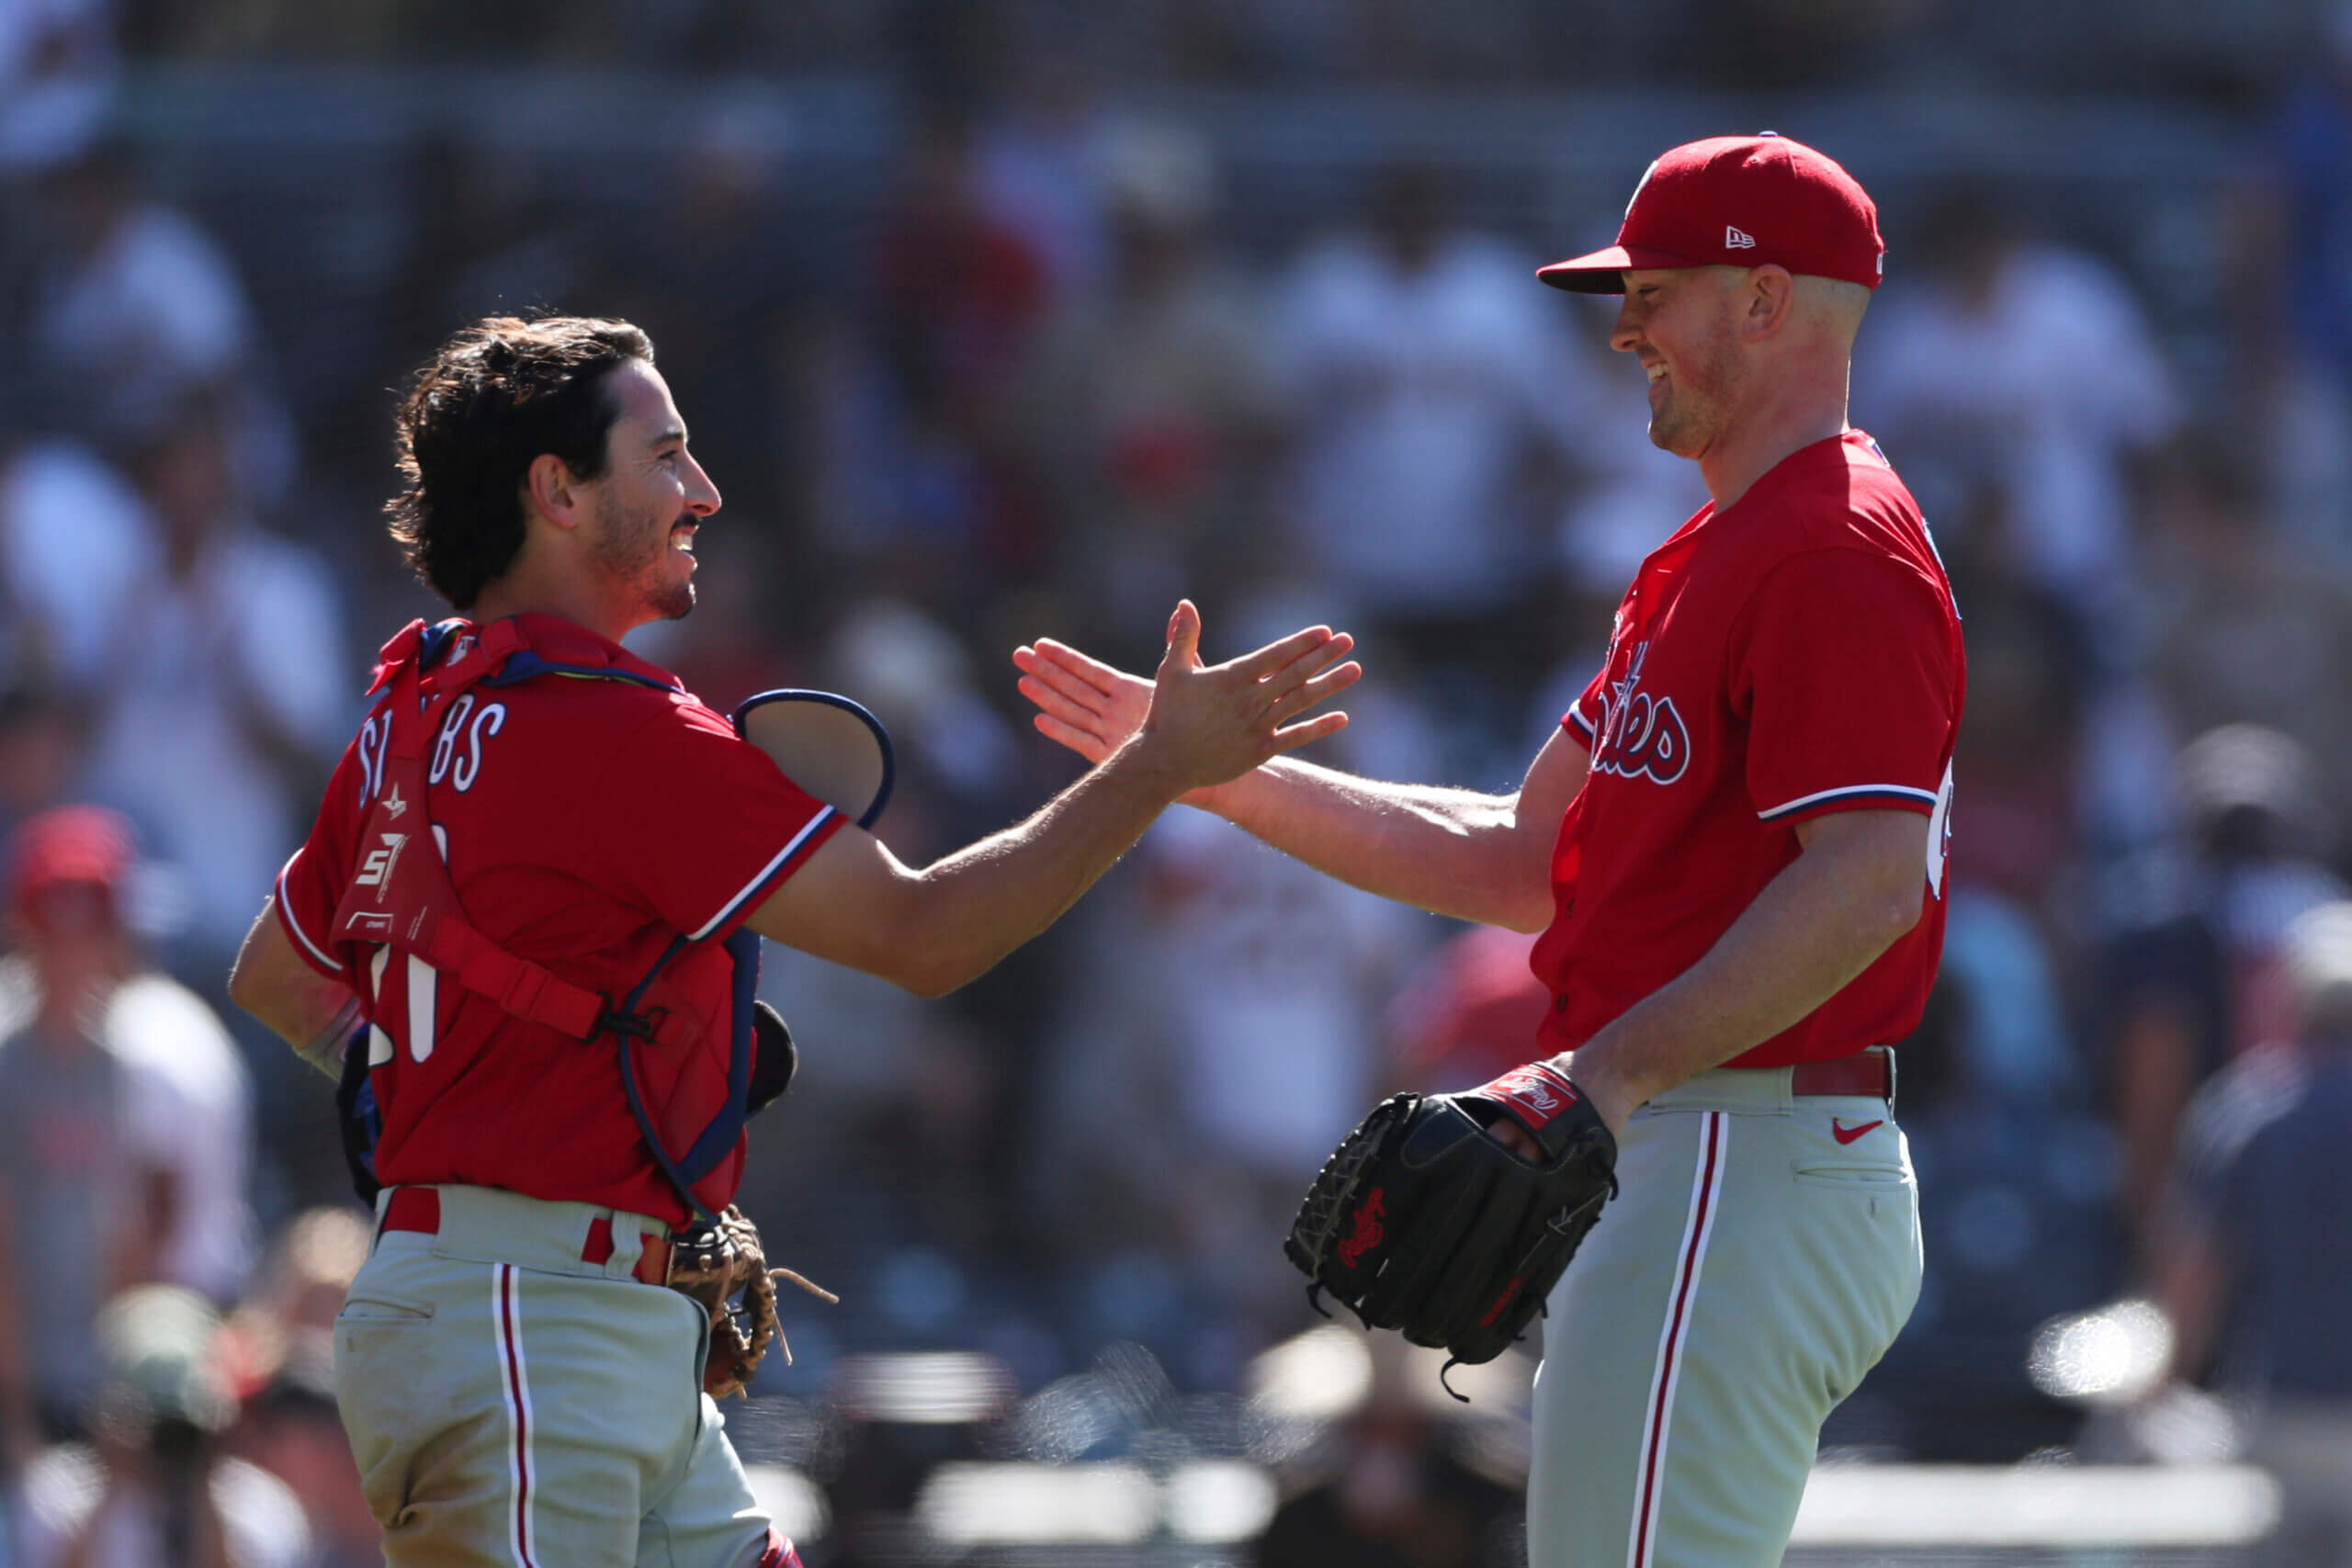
(1367, 1233)
(1641, 736)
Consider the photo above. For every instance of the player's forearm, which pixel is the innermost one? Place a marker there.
(1813, 929)
(1454, 851)
(290, 999)
(977, 905)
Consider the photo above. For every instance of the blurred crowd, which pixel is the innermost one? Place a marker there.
(1033, 387)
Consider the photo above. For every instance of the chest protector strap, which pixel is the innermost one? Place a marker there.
(400, 894)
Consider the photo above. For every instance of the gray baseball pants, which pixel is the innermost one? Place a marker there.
(1762, 1255)
(511, 1404)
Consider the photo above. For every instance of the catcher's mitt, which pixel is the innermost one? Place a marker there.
(1422, 1222)
(722, 1269)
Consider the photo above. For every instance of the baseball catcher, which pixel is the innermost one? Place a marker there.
(1426, 1223)
(536, 889)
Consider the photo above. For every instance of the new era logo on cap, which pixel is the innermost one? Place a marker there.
(1818, 220)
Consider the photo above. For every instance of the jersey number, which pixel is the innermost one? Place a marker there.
(1940, 836)
(422, 980)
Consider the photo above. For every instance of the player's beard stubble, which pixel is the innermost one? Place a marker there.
(1700, 387)
(634, 547)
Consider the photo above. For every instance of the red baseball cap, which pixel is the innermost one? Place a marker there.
(85, 844)
(1738, 201)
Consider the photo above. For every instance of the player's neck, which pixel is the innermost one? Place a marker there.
(1799, 415)
(524, 591)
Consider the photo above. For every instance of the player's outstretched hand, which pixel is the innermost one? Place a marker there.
(1205, 723)
(1082, 703)
(1094, 709)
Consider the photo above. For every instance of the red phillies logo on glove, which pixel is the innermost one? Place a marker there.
(1540, 1092)
(1367, 1233)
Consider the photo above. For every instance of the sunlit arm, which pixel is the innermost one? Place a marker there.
(271, 981)
(1857, 887)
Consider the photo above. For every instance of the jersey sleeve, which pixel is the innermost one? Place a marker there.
(1843, 665)
(1584, 717)
(711, 824)
(310, 887)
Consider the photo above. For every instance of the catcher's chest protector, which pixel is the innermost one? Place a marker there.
(399, 896)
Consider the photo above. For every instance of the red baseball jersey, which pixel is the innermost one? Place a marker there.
(1793, 654)
(587, 824)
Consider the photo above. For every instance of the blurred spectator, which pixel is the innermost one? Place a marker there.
(155, 1485)
(57, 79)
(137, 304)
(955, 294)
(2245, 629)
(191, 1111)
(235, 669)
(1146, 414)
(1241, 995)
(84, 1206)
(187, 1113)
(288, 1318)
(280, 1347)
(2190, 973)
(76, 542)
(1266, 983)
(1395, 1490)
(2024, 749)
(1040, 166)
(2014, 360)
(1430, 381)
(2259, 1282)
(2017, 1178)
(2288, 277)
(292, 1431)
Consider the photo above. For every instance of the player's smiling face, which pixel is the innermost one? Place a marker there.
(1682, 325)
(651, 499)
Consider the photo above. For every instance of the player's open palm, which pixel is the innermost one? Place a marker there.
(1207, 723)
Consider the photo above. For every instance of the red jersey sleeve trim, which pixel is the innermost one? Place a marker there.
(812, 833)
(310, 951)
(1576, 720)
(1851, 798)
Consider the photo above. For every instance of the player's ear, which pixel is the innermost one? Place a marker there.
(552, 490)
(1768, 299)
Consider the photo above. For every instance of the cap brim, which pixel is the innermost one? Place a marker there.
(1603, 272)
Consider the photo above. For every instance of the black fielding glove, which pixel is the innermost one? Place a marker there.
(1423, 1223)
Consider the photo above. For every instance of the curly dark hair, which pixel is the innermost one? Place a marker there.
(495, 397)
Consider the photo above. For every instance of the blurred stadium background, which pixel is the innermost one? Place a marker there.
(1005, 318)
